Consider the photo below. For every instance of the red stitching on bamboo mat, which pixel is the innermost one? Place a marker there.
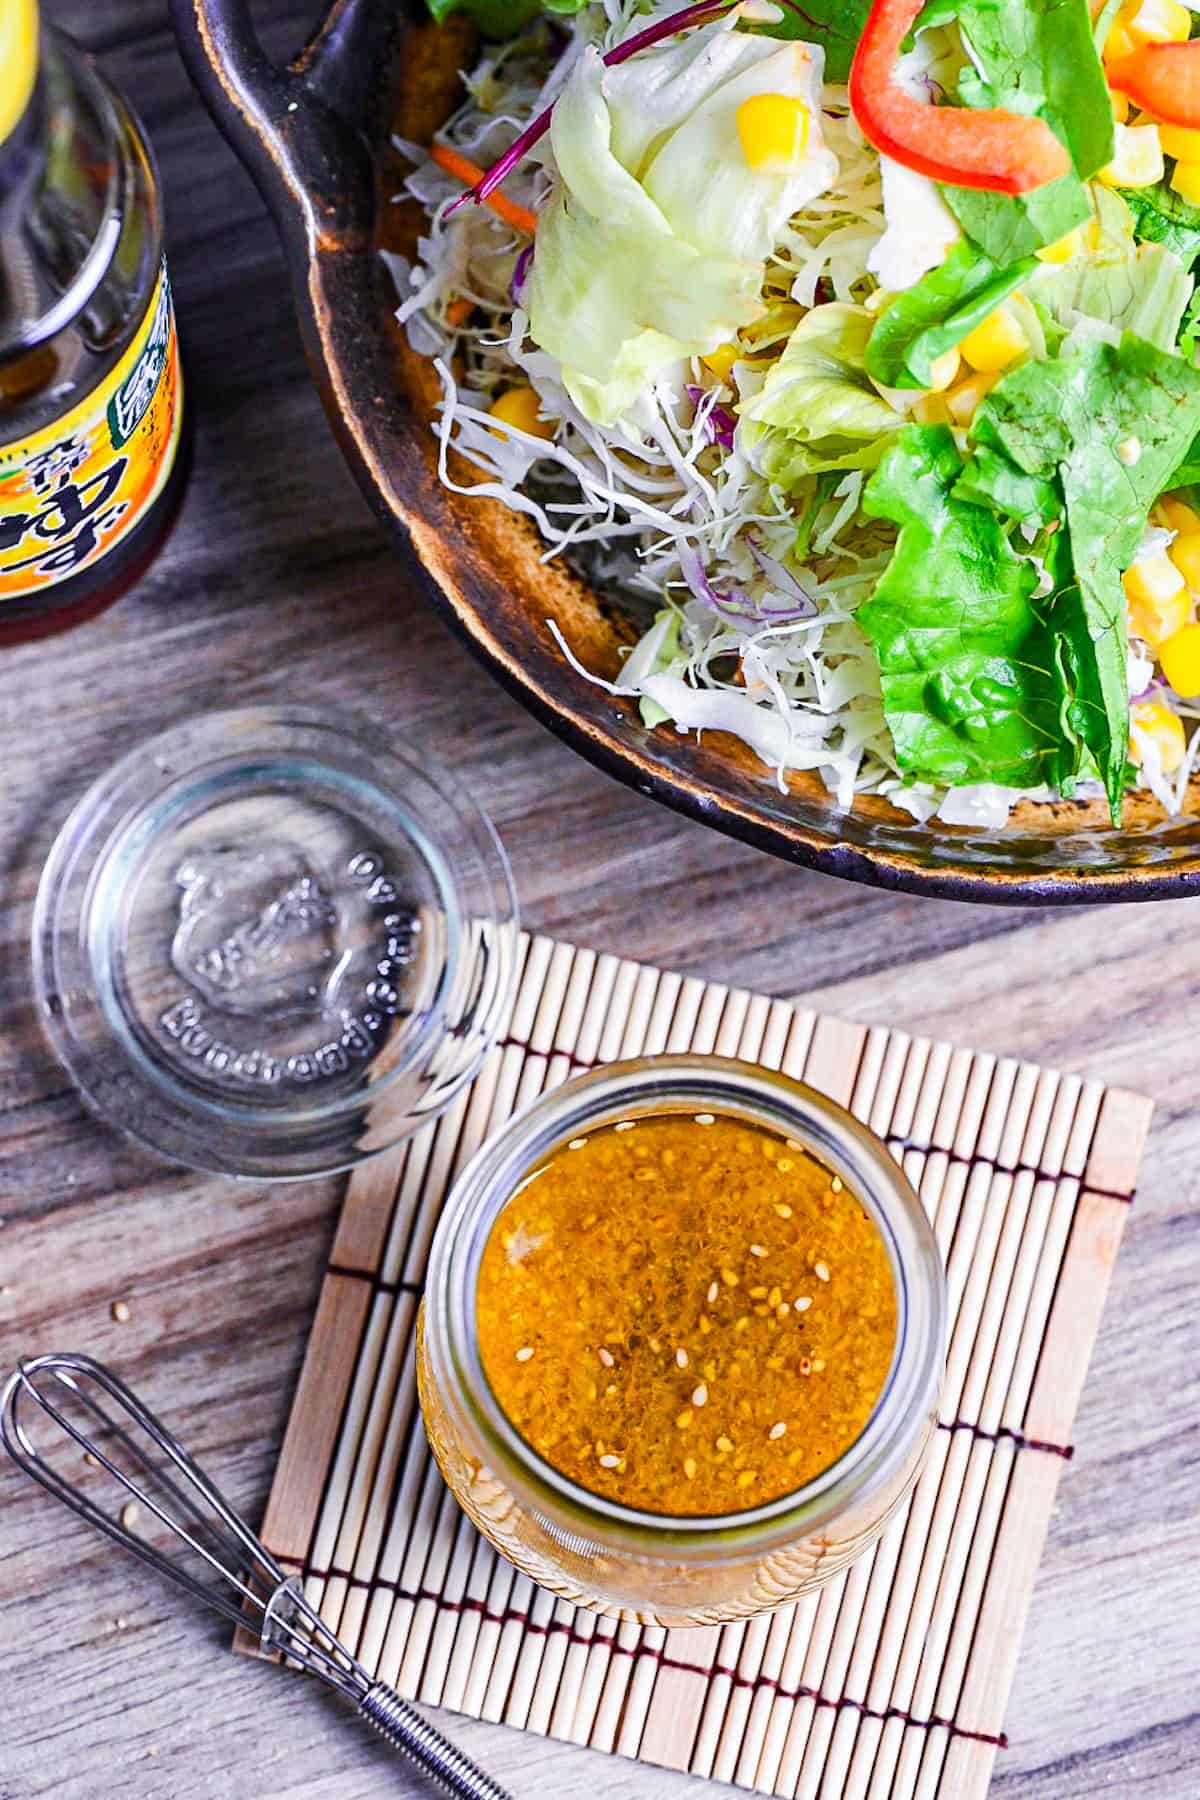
(1006, 1433)
(512, 1615)
(897, 1143)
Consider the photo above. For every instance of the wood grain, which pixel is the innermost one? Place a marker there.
(277, 586)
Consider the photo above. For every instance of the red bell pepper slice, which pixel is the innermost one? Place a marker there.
(1005, 152)
(1163, 79)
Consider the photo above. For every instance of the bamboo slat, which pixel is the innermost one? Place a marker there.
(893, 1680)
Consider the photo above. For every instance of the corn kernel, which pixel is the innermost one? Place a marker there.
(1157, 22)
(1181, 142)
(942, 371)
(931, 409)
(773, 131)
(1179, 660)
(1120, 41)
(521, 408)
(1063, 248)
(963, 399)
(1120, 107)
(719, 362)
(1154, 720)
(1156, 621)
(1177, 515)
(1185, 179)
(996, 343)
(1138, 162)
(1153, 582)
(1185, 554)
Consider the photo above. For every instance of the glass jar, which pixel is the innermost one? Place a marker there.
(274, 941)
(92, 446)
(592, 1551)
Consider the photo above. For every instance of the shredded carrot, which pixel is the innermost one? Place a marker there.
(459, 311)
(470, 176)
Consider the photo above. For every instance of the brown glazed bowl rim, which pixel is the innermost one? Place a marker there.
(314, 135)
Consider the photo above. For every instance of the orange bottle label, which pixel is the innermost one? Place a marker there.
(71, 492)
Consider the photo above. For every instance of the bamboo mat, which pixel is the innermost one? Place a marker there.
(893, 1680)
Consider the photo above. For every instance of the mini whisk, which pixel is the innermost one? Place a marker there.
(236, 1574)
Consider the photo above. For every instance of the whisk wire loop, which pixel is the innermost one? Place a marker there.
(249, 1588)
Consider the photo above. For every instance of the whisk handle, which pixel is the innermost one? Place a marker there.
(406, 1731)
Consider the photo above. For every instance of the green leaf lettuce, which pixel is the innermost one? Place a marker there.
(972, 685)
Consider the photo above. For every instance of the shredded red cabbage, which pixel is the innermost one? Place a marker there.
(733, 605)
(719, 422)
(520, 274)
(702, 13)
(803, 605)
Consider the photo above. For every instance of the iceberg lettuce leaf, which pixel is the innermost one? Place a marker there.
(817, 410)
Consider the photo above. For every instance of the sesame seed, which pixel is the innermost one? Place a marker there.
(610, 1461)
(724, 1445)
(818, 1364)
(131, 1512)
(782, 1207)
(689, 1467)
(684, 1419)
(805, 1366)
(782, 1310)
(610, 1390)
(705, 1119)
(713, 1291)
(606, 1357)
(802, 1302)
(681, 1358)
(655, 1345)
(758, 1250)
(775, 1296)
(93, 1462)
(729, 1278)
(120, 1312)
(625, 1125)
(758, 1293)
(792, 1144)
(524, 1353)
(777, 1430)
(577, 1144)
(821, 1271)
(746, 1477)
(705, 1323)
(836, 1184)
(743, 1324)
(699, 1395)
(709, 1371)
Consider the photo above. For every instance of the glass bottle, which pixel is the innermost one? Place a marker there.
(93, 453)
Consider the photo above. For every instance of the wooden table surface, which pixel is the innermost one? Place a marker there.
(277, 585)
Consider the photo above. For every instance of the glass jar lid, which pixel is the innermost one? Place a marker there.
(274, 941)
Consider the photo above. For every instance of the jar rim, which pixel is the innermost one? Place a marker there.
(653, 1085)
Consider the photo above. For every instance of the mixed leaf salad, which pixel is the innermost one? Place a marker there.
(860, 341)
